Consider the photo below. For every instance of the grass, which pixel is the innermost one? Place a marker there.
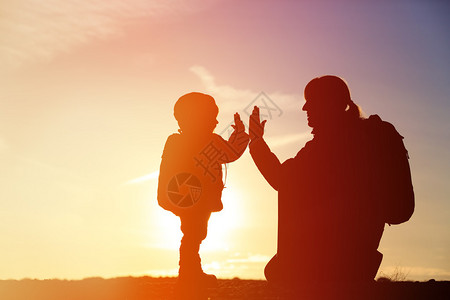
(399, 274)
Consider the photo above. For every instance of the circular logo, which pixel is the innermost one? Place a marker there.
(184, 190)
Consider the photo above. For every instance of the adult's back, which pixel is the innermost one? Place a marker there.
(330, 226)
(392, 183)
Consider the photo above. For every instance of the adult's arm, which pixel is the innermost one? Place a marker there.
(266, 162)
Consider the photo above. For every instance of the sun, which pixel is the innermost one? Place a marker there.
(220, 226)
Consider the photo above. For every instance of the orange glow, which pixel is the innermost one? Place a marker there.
(86, 104)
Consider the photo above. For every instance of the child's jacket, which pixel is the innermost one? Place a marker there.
(190, 178)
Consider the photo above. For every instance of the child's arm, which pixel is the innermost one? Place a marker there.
(267, 162)
(238, 141)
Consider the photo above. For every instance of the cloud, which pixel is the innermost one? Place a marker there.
(254, 258)
(231, 99)
(248, 266)
(145, 178)
(34, 30)
(158, 273)
(287, 139)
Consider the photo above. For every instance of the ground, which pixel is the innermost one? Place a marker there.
(140, 288)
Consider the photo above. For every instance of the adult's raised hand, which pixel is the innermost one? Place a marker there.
(256, 127)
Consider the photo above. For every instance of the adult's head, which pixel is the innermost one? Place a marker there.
(196, 113)
(328, 102)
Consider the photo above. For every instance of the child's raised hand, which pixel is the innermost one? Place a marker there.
(238, 124)
(239, 139)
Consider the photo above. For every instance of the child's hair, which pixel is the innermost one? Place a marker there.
(193, 107)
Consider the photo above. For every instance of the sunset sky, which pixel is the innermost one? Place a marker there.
(86, 103)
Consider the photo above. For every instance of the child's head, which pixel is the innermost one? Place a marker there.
(196, 113)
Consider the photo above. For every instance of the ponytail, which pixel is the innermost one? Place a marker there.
(353, 110)
(333, 88)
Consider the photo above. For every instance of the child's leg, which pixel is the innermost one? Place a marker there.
(194, 228)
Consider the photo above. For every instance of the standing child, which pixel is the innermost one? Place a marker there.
(190, 179)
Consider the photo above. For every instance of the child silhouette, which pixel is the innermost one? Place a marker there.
(190, 180)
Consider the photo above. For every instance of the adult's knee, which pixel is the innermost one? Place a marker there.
(272, 270)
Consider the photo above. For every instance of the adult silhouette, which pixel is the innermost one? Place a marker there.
(329, 221)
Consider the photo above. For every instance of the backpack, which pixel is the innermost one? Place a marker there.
(188, 182)
(190, 178)
(392, 184)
